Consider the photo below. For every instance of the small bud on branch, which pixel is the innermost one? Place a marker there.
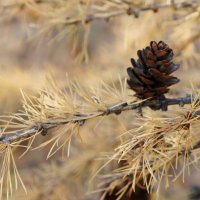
(116, 109)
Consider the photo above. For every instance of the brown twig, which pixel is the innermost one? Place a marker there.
(80, 118)
(132, 11)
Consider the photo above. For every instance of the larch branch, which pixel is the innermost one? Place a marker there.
(132, 11)
(80, 118)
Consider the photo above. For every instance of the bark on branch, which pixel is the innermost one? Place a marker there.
(131, 10)
(80, 118)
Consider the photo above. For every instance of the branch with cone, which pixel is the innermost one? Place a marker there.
(149, 78)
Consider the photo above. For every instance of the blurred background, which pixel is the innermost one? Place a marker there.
(89, 41)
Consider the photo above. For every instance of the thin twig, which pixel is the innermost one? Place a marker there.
(116, 109)
(130, 10)
(133, 11)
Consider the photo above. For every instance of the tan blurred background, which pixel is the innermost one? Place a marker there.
(36, 40)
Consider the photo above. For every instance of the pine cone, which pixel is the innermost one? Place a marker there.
(150, 75)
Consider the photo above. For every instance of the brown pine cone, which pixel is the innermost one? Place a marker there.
(150, 75)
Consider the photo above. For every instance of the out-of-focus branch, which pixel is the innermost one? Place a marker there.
(133, 11)
(80, 118)
(130, 10)
(190, 40)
